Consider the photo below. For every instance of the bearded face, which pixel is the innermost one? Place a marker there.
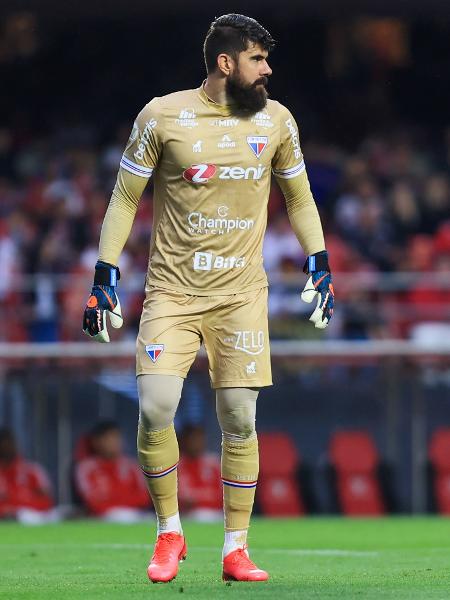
(249, 98)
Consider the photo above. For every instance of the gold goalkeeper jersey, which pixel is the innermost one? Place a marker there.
(212, 173)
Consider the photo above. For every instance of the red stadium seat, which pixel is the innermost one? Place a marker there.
(278, 489)
(355, 460)
(439, 455)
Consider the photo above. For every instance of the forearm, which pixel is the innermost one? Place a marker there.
(303, 213)
(120, 215)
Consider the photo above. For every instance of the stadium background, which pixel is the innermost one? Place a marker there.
(370, 90)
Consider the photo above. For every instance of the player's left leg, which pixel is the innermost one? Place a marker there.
(236, 337)
(236, 409)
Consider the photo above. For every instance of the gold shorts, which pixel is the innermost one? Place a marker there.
(233, 328)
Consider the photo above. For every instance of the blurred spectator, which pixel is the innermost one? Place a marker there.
(362, 219)
(110, 484)
(436, 202)
(429, 303)
(9, 262)
(404, 217)
(25, 492)
(281, 243)
(199, 482)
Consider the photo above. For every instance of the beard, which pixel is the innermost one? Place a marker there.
(248, 98)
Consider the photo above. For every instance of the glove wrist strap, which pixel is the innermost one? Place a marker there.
(106, 274)
(316, 262)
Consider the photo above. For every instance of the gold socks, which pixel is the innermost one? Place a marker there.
(240, 465)
(158, 456)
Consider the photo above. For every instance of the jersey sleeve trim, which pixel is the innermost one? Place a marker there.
(291, 172)
(135, 169)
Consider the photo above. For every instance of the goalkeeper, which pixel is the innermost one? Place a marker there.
(211, 151)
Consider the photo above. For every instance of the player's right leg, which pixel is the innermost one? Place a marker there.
(158, 453)
(167, 343)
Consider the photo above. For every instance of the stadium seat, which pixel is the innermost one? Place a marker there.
(355, 460)
(278, 491)
(439, 456)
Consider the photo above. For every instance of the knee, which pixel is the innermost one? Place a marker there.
(154, 413)
(238, 421)
(158, 401)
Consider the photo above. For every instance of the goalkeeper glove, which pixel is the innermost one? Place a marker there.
(319, 284)
(103, 299)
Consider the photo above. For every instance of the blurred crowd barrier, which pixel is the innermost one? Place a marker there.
(396, 391)
(48, 307)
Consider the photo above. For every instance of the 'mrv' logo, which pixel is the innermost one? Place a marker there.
(199, 173)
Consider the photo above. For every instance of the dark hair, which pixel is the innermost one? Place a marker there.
(231, 34)
(103, 427)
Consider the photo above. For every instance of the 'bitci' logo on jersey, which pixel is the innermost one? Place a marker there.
(257, 144)
(154, 351)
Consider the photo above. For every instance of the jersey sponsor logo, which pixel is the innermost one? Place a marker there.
(203, 224)
(257, 144)
(202, 172)
(226, 142)
(187, 118)
(254, 173)
(134, 132)
(197, 147)
(262, 119)
(154, 351)
(206, 261)
(224, 122)
(145, 139)
(294, 138)
(251, 368)
(250, 342)
(199, 173)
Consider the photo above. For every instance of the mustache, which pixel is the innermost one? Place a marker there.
(262, 80)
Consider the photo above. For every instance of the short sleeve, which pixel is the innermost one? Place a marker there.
(288, 159)
(144, 146)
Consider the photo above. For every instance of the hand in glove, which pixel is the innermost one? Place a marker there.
(103, 299)
(319, 285)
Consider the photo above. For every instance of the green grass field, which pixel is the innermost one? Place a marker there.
(401, 558)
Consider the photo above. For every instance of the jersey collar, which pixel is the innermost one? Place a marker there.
(223, 109)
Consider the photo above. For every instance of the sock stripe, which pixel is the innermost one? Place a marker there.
(161, 473)
(241, 484)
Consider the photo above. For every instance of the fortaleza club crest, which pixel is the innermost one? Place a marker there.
(257, 144)
(154, 351)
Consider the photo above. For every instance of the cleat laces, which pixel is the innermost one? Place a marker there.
(241, 558)
(163, 547)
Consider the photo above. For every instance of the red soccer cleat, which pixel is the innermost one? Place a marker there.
(170, 549)
(238, 567)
